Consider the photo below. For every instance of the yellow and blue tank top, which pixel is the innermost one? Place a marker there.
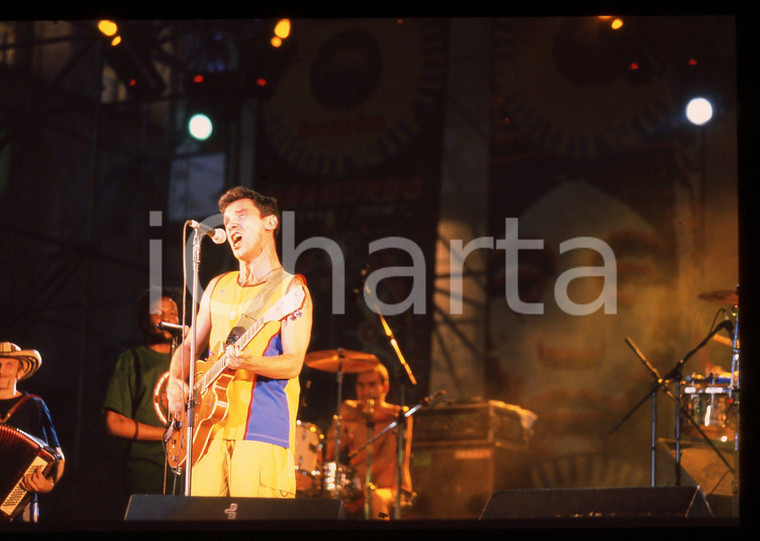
(260, 408)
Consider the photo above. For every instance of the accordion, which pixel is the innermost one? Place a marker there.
(20, 454)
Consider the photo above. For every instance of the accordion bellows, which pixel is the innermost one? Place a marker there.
(22, 454)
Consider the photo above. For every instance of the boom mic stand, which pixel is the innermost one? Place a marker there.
(427, 402)
(402, 436)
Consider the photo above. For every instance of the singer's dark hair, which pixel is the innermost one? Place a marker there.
(267, 205)
(143, 304)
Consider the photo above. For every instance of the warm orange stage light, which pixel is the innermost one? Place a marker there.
(108, 28)
(282, 28)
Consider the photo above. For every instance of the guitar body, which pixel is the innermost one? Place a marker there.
(210, 409)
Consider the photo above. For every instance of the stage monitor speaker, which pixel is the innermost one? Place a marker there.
(701, 466)
(157, 507)
(665, 502)
(454, 481)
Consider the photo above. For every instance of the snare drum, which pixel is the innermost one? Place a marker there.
(309, 448)
(340, 481)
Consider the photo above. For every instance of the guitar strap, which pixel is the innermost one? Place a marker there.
(254, 310)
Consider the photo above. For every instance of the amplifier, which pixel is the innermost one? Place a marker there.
(485, 422)
(455, 481)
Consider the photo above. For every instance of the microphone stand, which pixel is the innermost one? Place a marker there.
(402, 436)
(190, 415)
(654, 388)
(429, 402)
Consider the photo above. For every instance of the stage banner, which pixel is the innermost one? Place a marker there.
(598, 195)
(350, 144)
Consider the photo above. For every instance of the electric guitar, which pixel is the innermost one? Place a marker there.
(212, 377)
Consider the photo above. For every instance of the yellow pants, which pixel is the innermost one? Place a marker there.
(244, 469)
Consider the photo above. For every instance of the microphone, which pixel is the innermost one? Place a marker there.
(173, 327)
(726, 324)
(217, 235)
(431, 401)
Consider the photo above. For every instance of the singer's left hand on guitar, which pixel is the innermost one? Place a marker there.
(176, 393)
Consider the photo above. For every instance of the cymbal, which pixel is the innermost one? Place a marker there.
(723, 296)
(341, 360)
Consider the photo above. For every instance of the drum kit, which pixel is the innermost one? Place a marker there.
(706, 405)
(314, 477)
(318, 479)
(713, 398)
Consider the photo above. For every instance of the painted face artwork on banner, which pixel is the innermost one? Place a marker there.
(605, 185)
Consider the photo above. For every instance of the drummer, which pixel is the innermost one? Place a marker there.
(370, 414)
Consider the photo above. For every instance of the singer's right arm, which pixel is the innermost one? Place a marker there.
(180, 364)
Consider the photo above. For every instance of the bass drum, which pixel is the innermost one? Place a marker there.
(309, 449)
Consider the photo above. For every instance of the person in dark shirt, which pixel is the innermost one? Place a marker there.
(129, 406)
(28, 413)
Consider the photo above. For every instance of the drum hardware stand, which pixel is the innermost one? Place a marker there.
(731, 297)
(734, 394)
(674, 375)
(338, 417)
(402, 435)
(368, 488)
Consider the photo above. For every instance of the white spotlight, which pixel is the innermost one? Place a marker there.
(699, 111)
(200, 127)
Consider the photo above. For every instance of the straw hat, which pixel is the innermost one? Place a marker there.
(29, 359)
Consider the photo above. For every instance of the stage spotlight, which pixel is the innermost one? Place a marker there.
(269, 60)
(200, 127)
(699, 111)
(132, 65)
(281, 32)
(111, 30)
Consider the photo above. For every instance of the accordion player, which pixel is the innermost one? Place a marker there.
(22, 454)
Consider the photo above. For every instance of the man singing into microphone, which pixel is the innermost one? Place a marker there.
(250, 449)
(130, 414)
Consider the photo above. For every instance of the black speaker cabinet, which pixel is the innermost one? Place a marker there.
(664, 502)
(156, 507)
(455, 480)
